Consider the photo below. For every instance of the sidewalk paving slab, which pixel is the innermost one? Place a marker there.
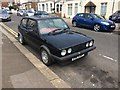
(17, 71)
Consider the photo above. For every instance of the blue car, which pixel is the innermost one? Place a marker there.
(94, 21)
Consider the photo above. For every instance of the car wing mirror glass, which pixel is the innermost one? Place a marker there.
(92, 18)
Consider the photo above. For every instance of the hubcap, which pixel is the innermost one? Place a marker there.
(44, 56)
(97, 27)
(74, 24)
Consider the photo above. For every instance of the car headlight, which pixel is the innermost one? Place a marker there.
(63, 52)
(87, 44)
(69, 50)
(106, 23)
(91, 43)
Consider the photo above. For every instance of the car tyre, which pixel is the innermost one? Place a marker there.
(74, 24)
(45, 57)
(96, 27)
(21, 39)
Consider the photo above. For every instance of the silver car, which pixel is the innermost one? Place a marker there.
(20, 12)
(4, 16)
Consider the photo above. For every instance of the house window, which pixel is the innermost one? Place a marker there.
(46, 7)
(57, 7)
(76, 8)
(43, 7)
(51, 6)
(60, 7)
(103, 8)
(69, 9)
(39, 6)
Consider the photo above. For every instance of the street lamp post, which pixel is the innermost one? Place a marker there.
(113, 6)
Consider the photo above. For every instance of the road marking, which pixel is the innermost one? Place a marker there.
(9, 29)
(56, 81)
(109, 58)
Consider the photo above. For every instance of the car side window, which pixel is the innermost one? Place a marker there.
(32, 24)
(81, 15)
(88, 16)
(24, 23)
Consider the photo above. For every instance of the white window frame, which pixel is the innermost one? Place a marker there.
(70, 6)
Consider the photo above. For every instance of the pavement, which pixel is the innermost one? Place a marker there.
(17, 71)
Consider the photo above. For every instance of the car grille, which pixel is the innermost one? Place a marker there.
(78, 48)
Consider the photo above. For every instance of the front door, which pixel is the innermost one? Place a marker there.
(33, 34)
(89, 20)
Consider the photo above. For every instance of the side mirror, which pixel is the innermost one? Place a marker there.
(92, 18)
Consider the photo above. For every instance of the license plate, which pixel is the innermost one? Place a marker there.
(80, 56)
(112, 26)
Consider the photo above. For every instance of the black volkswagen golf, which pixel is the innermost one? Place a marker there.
(54, 39)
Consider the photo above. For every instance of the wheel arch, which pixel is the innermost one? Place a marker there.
(48, 51)
(46, 48)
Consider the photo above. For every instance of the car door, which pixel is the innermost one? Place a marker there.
(33, 34)
(80, 19)
(89, 20)
(23, 28)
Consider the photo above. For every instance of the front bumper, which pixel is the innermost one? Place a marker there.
(71, 56)
(6, 19)
(108, 28)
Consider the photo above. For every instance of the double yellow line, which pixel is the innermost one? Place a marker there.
(9, 29)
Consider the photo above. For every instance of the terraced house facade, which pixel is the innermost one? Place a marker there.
(68, 8)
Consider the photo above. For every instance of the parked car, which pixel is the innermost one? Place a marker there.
(4, 16)
(28, 13)
(39, 13)
(20, 12)
(8, 11)
(94, 21)
(54, 39)
(115, 16)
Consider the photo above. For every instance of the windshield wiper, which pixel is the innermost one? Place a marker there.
(56, 30)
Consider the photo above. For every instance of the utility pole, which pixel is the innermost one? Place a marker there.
(113, 6)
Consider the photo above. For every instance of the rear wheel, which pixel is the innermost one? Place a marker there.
(21, 39)
(96, 27)
(46, 59)
(74, 24)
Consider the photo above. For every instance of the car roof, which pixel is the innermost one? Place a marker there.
(85, 13)
(42, 17)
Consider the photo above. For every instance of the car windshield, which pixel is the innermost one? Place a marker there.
(47, 26)
(118, 12)
(3, 11)
(98, 16)
(29, 11)
(21, 11)
(41, 13)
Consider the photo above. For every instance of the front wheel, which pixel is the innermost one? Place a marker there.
(74, 24)
(46, 59)
(96, 27)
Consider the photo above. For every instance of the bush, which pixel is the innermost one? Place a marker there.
(15, 7)
(10, 7)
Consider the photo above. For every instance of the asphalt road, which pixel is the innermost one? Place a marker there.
(98, 70)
